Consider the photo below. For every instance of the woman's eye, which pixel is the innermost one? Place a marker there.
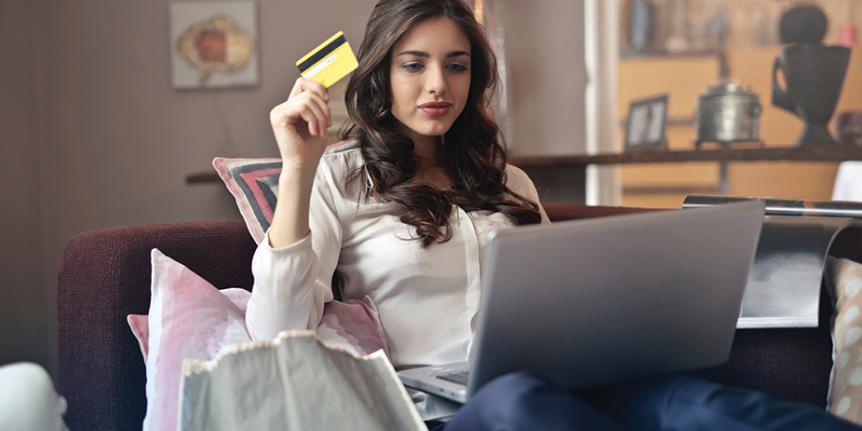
(456, 67)
(413, 67)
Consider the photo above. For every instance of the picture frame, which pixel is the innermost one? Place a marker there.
(647, 124)
(214, 44)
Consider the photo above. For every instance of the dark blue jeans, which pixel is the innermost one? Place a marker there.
(521, 401)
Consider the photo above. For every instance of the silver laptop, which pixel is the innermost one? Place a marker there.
(598, 301)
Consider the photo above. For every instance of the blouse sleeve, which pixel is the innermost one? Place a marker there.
(292, 283)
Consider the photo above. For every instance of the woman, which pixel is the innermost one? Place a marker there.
(402, 211)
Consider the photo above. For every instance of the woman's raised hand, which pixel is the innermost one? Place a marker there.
(300, 122)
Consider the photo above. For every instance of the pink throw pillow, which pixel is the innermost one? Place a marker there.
(191, 319)
(188, 319)
(139, 323)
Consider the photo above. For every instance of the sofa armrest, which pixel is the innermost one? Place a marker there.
(105, 275)
(562, 211)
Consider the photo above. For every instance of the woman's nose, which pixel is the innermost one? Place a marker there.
(436, 81)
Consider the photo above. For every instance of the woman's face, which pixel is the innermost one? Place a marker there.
(430, 77)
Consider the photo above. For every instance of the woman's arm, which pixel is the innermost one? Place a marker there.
(292, 283)
(290, 219)
(293, 265)
(297, 124)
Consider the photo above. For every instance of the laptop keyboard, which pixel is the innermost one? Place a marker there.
(459, 377)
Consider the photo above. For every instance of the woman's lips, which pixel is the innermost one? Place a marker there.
(435, 109)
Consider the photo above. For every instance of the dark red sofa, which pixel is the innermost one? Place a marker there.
(105, 275)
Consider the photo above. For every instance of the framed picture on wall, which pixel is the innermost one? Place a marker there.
(213, 44)
(647, 120)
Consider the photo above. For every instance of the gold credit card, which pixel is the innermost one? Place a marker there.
(329, 62)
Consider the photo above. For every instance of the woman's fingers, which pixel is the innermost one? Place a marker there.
(317, 107)
(303, 84)
(311, 120)
(324, 108)
(289, 113)
(313, 105)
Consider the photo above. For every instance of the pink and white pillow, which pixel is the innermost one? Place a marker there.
(190, 318)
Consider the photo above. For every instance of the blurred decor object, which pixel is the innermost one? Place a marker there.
(728, 113)
(803, 23)
(479, 11)
(641, 25)
(848, 125)
(848, 35)
(213, 44)
(813, 73)
(677, 41)
(717, 28)
(645, 128)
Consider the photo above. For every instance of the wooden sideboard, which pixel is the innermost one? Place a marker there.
(563, 178)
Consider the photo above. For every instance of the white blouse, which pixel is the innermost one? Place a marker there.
(426, 299)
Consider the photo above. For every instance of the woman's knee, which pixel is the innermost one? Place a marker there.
(28, 399)
(508, 395)
(516, 384)
(522, 400)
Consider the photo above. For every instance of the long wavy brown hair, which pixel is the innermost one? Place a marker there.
(473, 157)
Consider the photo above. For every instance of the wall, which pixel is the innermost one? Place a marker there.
(113, 142)
(546, 76)
(24, 310)
(100, 139)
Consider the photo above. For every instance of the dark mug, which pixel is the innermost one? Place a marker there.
(814, 75)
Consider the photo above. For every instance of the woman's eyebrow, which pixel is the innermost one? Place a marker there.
(426, 55)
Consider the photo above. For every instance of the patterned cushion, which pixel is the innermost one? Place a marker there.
(254, 185)
(845, 397)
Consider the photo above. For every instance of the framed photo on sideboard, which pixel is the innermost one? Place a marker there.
(646, 124)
